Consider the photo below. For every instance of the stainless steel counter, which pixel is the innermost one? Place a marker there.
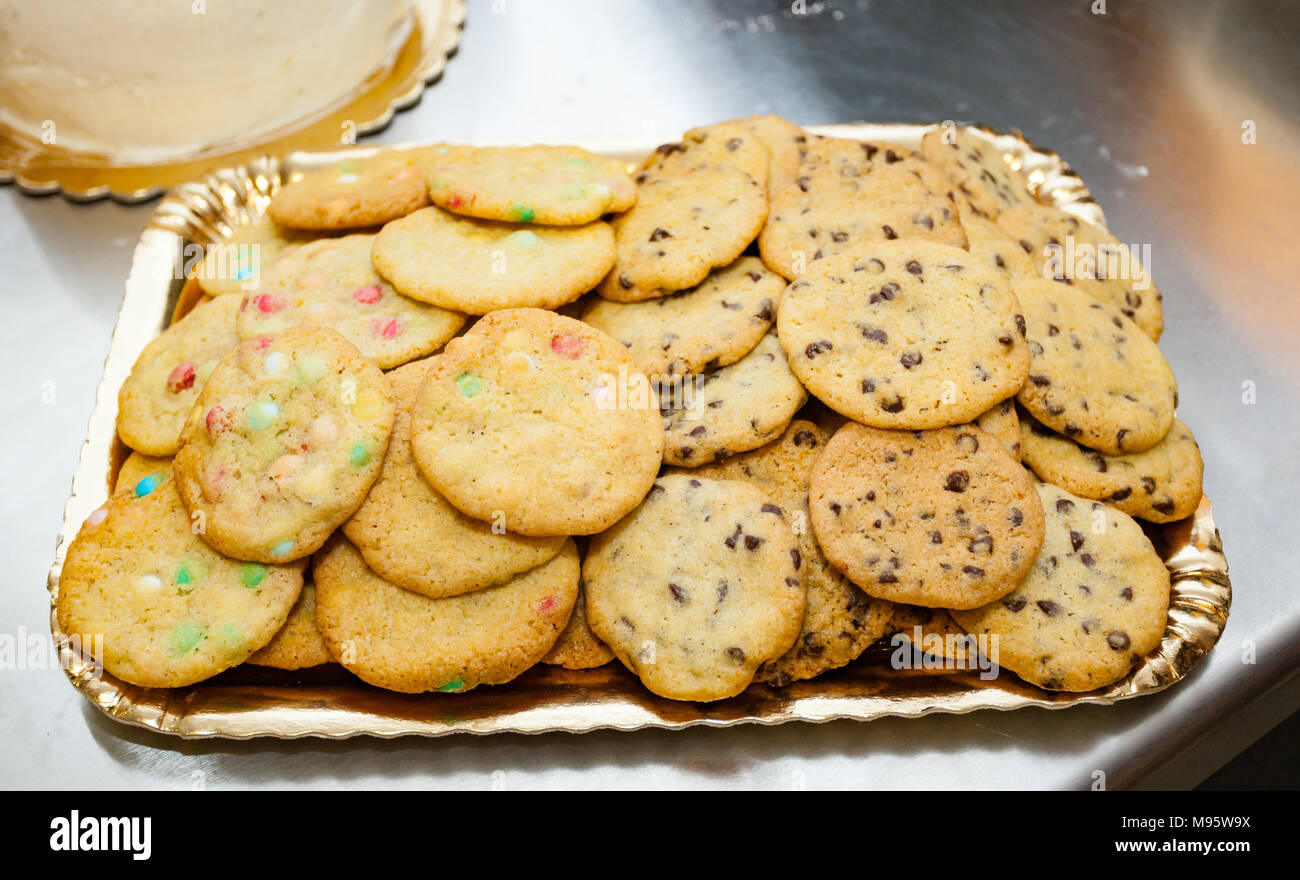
(1149, 102)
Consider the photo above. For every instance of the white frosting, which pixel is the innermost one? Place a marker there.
(151, 80)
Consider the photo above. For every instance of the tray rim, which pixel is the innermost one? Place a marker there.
(108, 696)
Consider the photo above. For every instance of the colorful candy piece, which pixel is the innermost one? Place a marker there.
(261, 414)
(371, 293)
(185, 638)
(147, 485)
(569, 346)
(181, 378)
(468, 385)
(251, 574)
(359, 456)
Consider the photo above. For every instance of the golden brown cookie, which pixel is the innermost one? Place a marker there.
(355, 192)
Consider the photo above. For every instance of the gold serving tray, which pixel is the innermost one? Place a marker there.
(328, 702)
(40, 169)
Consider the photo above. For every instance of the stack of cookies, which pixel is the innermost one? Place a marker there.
(729, 417)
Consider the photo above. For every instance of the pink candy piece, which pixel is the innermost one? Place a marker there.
(262, 342)
(181, 378)
(217, 420)
(569, 346)
(371, 293)
(97, 516)
(267, 303)
(545, 606)
(387, 328)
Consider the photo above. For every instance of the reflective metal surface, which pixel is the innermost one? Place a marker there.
(1146, 102)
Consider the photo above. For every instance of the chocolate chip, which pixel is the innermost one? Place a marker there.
(803, 182)
(887, 577)
(1126, 594)
(887, 292)
(983, 543)
(972, 570)
(734, 144)
(936, 538)
(1118, 640)
(752, 542)
(669, 149)
(1121, 494)
(1072, 430)
(1087, 560)
(914, 267)
(730, 541)
(1119, 437)
(772, 508)
(892, 406)
(695, 484)
(736, 655)
(1076, 540)
(876, 334)
(968, 443)
(679, 595)
(1017, 604)
(1040, 381)
(835, 508)
(796, 558)
(909, 359)
(660, 234)
(1020, 324)
(624, 282)
(1015, 517)
(816, 348)
(1148, 484)
(958, 481)
(1165, 507)
(1048, 607)
(698, 431)
(868, 386)
(890, 234)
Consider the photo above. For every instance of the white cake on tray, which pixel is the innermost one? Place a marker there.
(154, 80)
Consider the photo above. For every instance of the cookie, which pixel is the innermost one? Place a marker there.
(731, 409)
(283, 444)
(331, 283)
(1162, 484)
(1003, 423)
(402, 641)
(526, 421)
(1093, 375)
(156, 397)
(170, 610)
(991, 243)
(904, 334)
(142, 473)
(709, 326)
(298, 644)
(839, 620)
(1093, 605)
(478, 266)
(355, 192)
(686, 222)
(931, 631)
(412, 537)
(235, 264)
(785, 144)
(697, 588)
(726, 143)
(578, 647)
(551, 185)
(847, 194)
(987, 183)
(1068, 249)
(941, 518)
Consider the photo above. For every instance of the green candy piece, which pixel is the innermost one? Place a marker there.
(522, 213)
(469, 385)
(523, 240)
(359, 456)
(310, 368)
(251, 574)
(232, 633)
(185, 638)
(454, 685)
